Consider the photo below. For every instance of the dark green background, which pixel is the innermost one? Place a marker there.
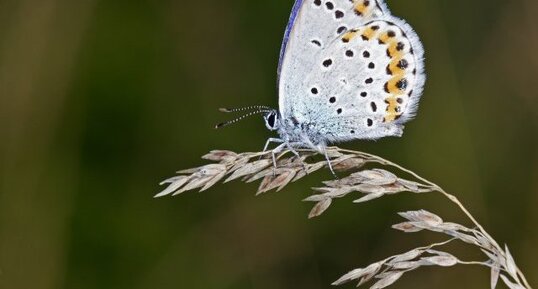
(101, 100)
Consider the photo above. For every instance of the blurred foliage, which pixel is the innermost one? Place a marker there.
(100, 100)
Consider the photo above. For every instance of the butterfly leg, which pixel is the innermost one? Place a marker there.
(269, 141)
(324, 151)
(292, 149)
(275, 151)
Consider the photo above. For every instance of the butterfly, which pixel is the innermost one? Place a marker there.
(348, 70)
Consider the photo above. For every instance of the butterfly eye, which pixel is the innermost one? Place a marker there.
(271, 120)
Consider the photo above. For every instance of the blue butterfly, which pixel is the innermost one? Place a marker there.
(348, 70)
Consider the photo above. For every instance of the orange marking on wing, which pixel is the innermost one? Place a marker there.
(385, 38)
(396, 52)
(389, 117)
(393, 67)
(369, 33)
(393, 49)
(348, 36)
(392, 109)
(392, 87)
(361, 9)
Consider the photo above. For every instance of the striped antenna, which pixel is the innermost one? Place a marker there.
(259, 107)
(223, 124)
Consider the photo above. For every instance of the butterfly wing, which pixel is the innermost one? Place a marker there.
(363, 84)
(313, 25)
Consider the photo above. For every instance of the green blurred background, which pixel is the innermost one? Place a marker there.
(101, 100)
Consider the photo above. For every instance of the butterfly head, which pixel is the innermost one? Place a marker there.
(271, 119)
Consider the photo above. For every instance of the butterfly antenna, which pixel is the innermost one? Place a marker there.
(223, 124)
(258, 107)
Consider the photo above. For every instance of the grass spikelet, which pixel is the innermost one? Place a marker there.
(373, 183)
